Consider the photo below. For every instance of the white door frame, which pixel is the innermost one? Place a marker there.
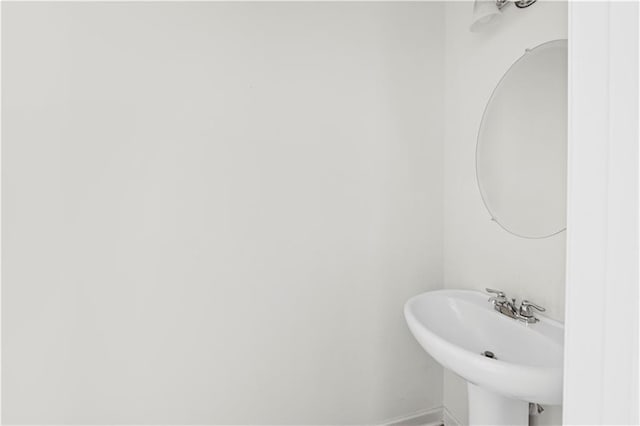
(601, 322)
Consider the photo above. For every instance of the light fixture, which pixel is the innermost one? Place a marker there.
(485, 11)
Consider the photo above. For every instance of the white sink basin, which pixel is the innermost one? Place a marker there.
(456, 326)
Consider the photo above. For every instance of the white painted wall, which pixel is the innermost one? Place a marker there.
(477, 252)
(213, 212)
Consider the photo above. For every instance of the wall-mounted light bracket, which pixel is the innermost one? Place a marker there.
(519, 3)
(485, 11)
(524, 3)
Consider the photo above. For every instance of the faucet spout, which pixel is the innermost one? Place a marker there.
(509, 307)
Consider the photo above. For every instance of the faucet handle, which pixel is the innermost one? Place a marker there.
(498, 293)
(499, 298)
(525, 308)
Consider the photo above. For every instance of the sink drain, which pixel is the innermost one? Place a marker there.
(488, 354)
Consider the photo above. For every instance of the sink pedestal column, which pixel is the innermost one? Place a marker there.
(489, 408)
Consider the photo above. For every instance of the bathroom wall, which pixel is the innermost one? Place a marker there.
(477, 252)
(214, 212)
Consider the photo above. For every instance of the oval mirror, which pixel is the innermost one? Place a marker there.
(521, 152)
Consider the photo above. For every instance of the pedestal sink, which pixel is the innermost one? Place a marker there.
(461, 330)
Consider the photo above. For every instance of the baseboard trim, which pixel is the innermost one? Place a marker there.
(427, 417)
(449, 419)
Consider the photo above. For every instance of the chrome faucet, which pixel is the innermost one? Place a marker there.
(507, 307)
